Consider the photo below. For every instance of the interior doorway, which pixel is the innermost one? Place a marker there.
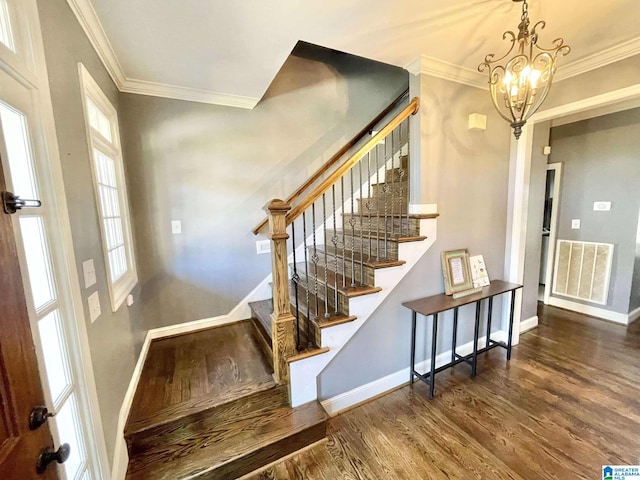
(549, 230)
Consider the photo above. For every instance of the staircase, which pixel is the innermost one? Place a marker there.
(340, 244)
(222, 402)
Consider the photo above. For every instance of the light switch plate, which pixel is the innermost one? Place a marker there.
(263, 246)
(575, 224)
(176, 226)
(94, 306)
(601, 206)
(89, 270)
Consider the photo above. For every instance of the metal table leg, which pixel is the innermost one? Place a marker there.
(455, 334)
(490, 310)
(476, 328)
(432, 376)
(413, 347)
(513, 304)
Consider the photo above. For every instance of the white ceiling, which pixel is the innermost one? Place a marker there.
(228, 52)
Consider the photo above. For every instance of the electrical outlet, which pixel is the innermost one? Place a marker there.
(601, 206)
(94, 306)
(176, 226)
(89, 270)
(575, 224)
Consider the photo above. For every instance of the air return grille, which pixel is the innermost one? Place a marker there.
(582, 270)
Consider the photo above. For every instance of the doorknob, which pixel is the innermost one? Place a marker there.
(38, 417)
(48, 455)
(12, 203)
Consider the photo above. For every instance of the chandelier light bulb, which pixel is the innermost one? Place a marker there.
(519, 85)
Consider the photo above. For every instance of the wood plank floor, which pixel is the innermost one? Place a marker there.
(192, 372)
(567, 403)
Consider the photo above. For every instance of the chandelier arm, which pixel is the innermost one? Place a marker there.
(488, 60)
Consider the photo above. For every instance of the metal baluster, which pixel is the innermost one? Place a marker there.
(334, 240)
(361, 226)
(369, 203)
(385, 190)
(296, 278)
(326, 264)
(315, 259)
(352, 222)
(393, 179)
(406, 122)
(377, 204)
(401, 174)
(306, 271)
(344, 244)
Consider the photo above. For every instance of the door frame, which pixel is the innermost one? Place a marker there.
(520, 180)
(553, 229)
(32, 73)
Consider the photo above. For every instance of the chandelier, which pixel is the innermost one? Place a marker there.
(519, 86)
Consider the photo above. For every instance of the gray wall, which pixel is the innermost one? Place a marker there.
(535, 217)
(467, 172)
(601, 162)
(214, 168)
(114, 338)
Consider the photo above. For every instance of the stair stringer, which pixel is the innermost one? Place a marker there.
(304, 373)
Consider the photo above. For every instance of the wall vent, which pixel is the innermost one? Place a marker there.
(583, 270)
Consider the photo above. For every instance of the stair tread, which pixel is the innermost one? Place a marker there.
(250, 431)
(322, 321)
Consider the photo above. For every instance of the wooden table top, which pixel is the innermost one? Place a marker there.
(441, 302)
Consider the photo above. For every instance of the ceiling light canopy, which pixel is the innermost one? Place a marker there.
(519, 86)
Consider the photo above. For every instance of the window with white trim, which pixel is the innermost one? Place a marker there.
(101, 120)
(6, 35)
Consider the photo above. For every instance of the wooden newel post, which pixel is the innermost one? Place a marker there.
(282, 321)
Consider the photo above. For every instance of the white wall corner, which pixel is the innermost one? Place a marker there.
(424, 208)
(528, 324)
(434, 67)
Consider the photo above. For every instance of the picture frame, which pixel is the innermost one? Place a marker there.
(456, 271)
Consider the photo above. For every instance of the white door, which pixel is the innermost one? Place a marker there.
(43, 250)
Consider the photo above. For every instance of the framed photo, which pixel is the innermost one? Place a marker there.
(456, 271)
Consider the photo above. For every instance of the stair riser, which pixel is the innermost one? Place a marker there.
(397, 189)
(267, 455)
(397, 206)
(343, 300)
(307, 329)
(406, 227)
(374, 248)
(345, 268)
(262, 338)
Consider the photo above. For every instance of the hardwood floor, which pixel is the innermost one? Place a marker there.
(188, 373)
(565, 405)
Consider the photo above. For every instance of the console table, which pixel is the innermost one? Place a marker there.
(432, 306)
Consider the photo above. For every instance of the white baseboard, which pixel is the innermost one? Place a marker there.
(622, 318)
(528, 324)
(346, 400)
(239, 312)
(634, 315)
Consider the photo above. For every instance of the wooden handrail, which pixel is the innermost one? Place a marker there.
(337, 156)
(411, 109)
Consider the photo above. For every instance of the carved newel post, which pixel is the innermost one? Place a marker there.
(282, 321)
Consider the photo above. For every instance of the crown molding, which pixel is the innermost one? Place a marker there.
(143, 87)
(90, 23)
(599, 59)
(427, 65)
